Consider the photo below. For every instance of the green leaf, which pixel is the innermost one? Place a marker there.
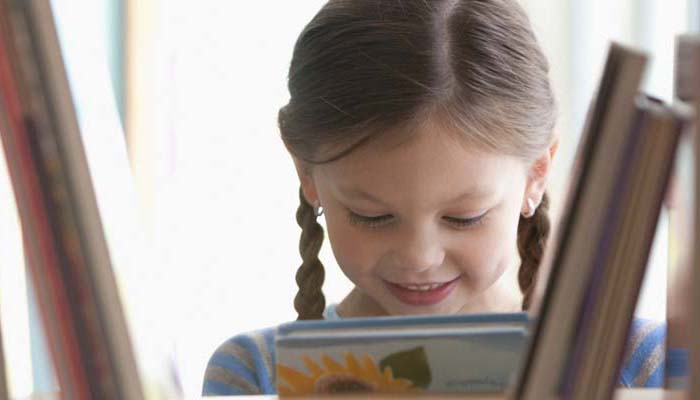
(409, 364)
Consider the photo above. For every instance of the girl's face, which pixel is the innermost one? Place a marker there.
(427, 227)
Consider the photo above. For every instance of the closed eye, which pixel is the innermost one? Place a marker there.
(380, 220)
(372, 222)
(466, 222)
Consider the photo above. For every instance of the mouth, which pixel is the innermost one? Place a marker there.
(422, 294)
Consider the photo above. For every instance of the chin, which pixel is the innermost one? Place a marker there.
(438, 309)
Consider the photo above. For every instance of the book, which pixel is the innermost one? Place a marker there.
(601, 248)
(687, 221)
(679, 271)
(614, 293)
(4, 390)
(68, 258)
(416, 354)
(680, 202)
(541, 376)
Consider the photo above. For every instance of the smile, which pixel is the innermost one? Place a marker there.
(421, 294)
(421, 287)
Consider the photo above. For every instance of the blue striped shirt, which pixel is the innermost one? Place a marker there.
(245, 363)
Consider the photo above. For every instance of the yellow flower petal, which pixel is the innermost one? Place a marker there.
(331, 365)
(314, 368)
(388, 374)
(296, 379)
(371, 369)
(353, 365)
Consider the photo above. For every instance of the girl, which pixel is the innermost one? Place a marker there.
(422, 130)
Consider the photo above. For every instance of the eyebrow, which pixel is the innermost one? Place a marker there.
(360, 194)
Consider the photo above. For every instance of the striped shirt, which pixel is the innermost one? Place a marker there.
(245, 363)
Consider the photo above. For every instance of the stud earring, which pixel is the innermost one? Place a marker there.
(318, 209)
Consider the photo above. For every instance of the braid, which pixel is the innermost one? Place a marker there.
(532, 238)
(309, 301)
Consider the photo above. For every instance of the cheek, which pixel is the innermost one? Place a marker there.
(484, 256)
(353, 252)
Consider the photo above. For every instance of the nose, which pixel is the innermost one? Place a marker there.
(419, 250)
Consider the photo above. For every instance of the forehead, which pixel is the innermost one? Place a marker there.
(430, 164)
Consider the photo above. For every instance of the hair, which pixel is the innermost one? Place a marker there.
(363, 68)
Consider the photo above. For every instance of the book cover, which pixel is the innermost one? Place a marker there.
(432, 354)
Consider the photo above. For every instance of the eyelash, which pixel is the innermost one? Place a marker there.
(378, 221)
(372, 222)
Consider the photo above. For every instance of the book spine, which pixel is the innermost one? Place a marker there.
(113, 351)
(610, 230)
(67, 254)
(41, 247)
(549, 355)
(687, 84)
(664, 131)
(4, 393)
(43, 133)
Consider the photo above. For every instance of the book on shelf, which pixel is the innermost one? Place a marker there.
(68, 257)
(680, 201)
(598, 256)
(4, 389)
(417, 354)
(684, 273)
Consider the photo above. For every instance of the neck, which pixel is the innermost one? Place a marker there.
(359, 304)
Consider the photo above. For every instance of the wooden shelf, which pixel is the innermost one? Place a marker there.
(622, 394)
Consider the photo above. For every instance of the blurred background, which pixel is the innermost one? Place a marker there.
(178, 103)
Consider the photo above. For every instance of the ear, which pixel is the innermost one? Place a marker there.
(538, 175)
(306, 180)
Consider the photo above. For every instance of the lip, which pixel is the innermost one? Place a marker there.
(422, 298)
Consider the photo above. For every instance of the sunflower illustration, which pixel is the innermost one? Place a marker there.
(355, 376)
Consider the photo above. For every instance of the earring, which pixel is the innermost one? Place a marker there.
(318, 209)
(531, 208)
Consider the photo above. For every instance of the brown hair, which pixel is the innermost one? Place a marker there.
(361, 68)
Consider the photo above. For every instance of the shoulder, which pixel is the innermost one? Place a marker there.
(330, 312)
(243, 364)
(643, 364)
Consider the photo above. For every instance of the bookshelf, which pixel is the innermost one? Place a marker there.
(622, 394)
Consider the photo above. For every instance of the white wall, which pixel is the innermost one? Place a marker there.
(225, 192)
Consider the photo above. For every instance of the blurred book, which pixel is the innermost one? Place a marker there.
(4, 389)
(597, 259)
(418, 354)
(684, 271)
(68, 258)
